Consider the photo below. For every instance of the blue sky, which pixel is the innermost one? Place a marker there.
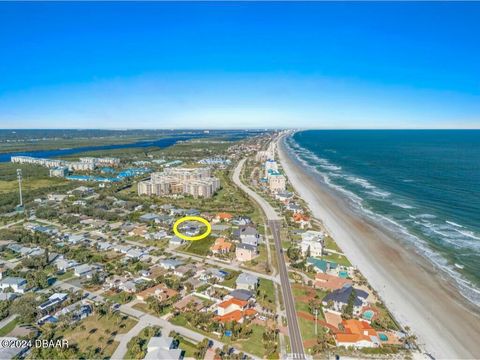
(231, 65)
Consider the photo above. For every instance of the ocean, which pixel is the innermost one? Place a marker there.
(423, 185)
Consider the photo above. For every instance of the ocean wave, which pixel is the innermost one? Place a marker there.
(402, 205)
(452, 235)
(453, 223)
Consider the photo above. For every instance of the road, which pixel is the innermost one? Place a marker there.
(275, 223)
(145, 320)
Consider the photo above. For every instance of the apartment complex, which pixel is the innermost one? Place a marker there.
(197, 182)
(84, 164)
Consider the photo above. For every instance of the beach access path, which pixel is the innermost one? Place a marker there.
(274, 222)
(447, 326)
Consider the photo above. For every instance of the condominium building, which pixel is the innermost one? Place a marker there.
(197, 182)
(85, 163)
(59, 171)
(271, 166)
(277, 182)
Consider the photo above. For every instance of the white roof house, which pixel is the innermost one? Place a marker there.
(17, 284)
(162, 348)
(246, 281)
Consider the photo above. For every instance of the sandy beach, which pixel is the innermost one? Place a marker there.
(447, 326)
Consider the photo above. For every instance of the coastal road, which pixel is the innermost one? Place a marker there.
(275, 224)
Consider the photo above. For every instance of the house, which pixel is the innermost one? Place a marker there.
(320, 265)
(104, 246)
(139, 231)
(213, 273)
(246, 281)
(162, 348)
(283, 196)
(78, 311)
(169, 264)
(248, 235)
(53, 301)
(122, 248)
(312, 244)
(241, 294)
(241, 221)
(357, 334)
(135, 254)
(340, 298)
(114, 281)
(75, 239)
(16, 284)
(176, 241)
(190, 302)
(231, 305)
(149, 217)
(85, 270)
(245, 252)
(64, 264)
(233, 310)
(158, 235)
(330, 282)
(301, 219)
(161, 292)
(184, 270)
(294, 208)
(223, 217)
(221, 246)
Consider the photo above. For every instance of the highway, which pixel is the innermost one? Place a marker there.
(275, 223)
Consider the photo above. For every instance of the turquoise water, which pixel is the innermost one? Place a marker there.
(368, 315)
(383, 337)
(343, 274)
(424, 185)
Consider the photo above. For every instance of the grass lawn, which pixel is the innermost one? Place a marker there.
(200, 247)
(144, 307)
(254, 344)
(66, 276)
(266, 296)
(9, 327)
(231, 281)
(30, 184)
(188, 347)
(121, 297)
(339, 259)
(330, 244)
(98, 332)
(181, 321)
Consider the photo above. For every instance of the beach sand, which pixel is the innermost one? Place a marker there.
(446, 324)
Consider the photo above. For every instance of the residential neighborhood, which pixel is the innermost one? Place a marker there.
(103, 256)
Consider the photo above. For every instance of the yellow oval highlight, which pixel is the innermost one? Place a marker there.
(192, 218)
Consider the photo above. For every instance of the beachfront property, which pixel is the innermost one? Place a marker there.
(357, 334)
(197, 182)
(338, 299)
(312, 243)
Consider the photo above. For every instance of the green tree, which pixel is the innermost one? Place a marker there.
(26, 308)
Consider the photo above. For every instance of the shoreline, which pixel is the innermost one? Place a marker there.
(446, 324)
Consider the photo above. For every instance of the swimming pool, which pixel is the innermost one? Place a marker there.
(343, 274)
(383, 337)
(368, 315)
